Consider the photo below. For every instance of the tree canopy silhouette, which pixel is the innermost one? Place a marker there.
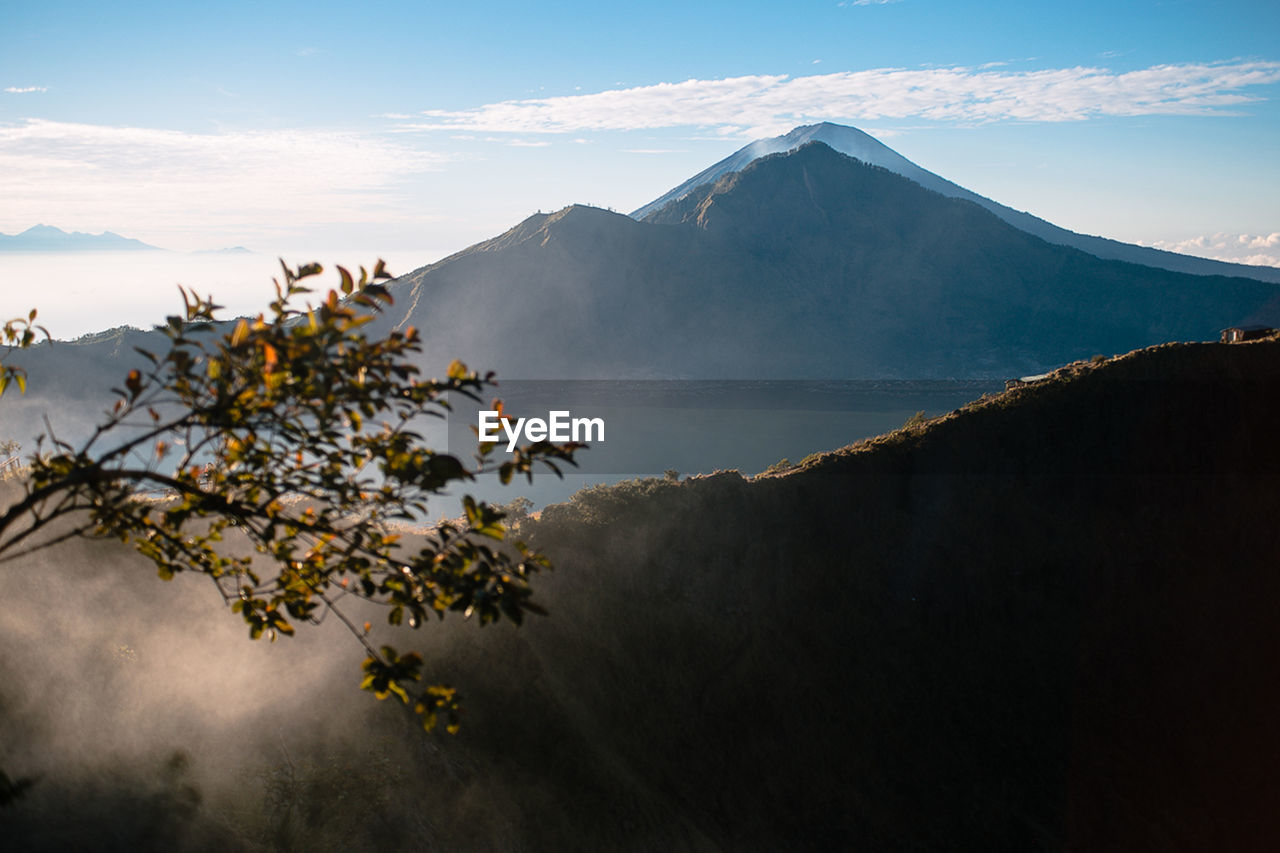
(280, 457)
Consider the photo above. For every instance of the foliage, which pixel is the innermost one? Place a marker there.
(783, 464)
(279, 457)
(20, 333)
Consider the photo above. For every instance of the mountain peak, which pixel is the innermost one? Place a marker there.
(846, 140)
(43, 230)
(862, 146)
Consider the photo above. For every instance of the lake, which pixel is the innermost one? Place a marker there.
(697, 427)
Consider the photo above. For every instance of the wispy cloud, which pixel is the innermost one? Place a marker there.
(1263, 249)
(867, 2)
(155, 181)
(25, 90)
(760, 105)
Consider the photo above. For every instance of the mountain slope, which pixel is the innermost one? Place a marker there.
(804, 265)
(855, 143)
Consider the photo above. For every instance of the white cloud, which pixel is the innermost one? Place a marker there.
(867, 2)
(526, 143)
(1262, 249)
(25, 90)
(167, 183)
(765, 104)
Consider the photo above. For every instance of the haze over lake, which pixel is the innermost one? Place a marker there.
(78, 293)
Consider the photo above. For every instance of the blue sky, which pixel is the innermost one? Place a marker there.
(419, 128)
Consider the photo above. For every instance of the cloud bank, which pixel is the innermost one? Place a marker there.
(153, 181)
(762, 105)
(1260, 249)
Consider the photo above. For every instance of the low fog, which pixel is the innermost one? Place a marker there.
(147, 718)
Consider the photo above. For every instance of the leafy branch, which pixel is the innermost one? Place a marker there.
(280, 456)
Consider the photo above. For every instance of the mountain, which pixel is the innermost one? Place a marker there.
(46, 238)
(232, 250)
(809, 264)
(855, 143)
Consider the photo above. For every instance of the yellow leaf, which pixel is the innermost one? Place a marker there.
(271, 357)
(241, 332)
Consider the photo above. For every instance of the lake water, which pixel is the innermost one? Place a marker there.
(697, 427)
(691, 427)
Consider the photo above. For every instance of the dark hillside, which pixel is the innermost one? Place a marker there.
(1044, 622)
(1047, 622)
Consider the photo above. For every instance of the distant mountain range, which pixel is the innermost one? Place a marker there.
(855, 143)
(46, 238)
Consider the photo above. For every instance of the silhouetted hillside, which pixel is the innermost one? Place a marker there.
(1042, 622)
